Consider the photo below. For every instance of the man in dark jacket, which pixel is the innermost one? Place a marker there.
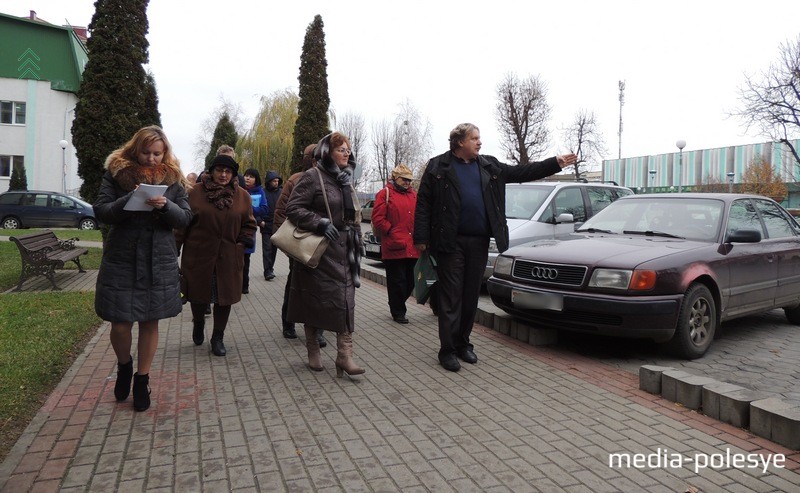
(460, 205)
(272, 189)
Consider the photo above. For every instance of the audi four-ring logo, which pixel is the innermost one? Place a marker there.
(545, 273)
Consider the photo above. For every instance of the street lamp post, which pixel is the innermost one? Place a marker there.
(63, 144)
(681, 144)
(652, 178)
(731, 174)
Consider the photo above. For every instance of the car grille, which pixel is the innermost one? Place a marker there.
(542, 273)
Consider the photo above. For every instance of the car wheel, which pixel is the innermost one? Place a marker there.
(11, 223)
(793, 314)
(87, 224)
(697, 323)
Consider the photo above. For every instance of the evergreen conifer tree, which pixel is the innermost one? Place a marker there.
(224, 133)
(113, 94)
(150, 113)
(19, 179)
(312, 109)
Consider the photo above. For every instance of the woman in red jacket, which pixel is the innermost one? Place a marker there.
(393, 222)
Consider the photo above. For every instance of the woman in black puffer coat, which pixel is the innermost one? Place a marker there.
(138, 279)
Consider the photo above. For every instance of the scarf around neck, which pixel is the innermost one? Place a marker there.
(219, 195)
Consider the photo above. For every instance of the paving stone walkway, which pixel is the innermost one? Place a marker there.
(523, 419)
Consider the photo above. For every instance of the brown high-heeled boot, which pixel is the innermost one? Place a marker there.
(344, 355)
(312, 345)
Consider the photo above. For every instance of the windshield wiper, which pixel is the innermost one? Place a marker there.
(594, 230)
(653, 233)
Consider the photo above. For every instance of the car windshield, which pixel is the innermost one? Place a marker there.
(522, 202)
(82, 202)
(690, 218)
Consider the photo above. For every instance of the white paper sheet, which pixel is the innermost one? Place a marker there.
(141, 194)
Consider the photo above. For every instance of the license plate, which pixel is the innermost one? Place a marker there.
(372, 248)
(537, 301)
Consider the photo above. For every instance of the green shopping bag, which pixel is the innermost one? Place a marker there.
(424, 277)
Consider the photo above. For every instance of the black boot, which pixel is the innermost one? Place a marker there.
(198, 331)
(141, 392)
(122, 388)
(288, 330)
(198, 322)
(217, 346)
(221, 315)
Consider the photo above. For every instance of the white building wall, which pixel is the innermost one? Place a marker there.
(49, 116)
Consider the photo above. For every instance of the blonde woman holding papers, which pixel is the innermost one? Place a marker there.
(138, 279)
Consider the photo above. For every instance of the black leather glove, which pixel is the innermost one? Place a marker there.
(331, 232)
(327, 229)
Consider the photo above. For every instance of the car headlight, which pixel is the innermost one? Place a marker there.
(610, 278)
(503, 265)
(493, 246)
(636, 280)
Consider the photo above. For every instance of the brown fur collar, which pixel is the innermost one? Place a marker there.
(128, 174)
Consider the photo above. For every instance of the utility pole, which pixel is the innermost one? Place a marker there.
(621, 102)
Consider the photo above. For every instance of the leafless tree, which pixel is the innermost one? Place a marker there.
(353, 126)
(382, 148)
(771, 101)
(404, 140)
(523, 115)
(584, 138)
(203, 140)
(713, 184)
(411, 144)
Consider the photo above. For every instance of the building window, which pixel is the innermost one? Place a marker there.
(7, 163)
(12, 112)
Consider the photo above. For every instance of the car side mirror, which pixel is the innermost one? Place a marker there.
(744, 236)
(565, 217)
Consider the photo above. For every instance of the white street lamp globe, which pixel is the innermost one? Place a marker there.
(63, 144)
(681, 144)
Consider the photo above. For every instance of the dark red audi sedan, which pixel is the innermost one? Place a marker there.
(667, 267)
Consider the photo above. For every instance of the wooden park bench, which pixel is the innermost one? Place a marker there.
(43, 253)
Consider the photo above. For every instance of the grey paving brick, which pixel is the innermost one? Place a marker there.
(259, 420)
(134, 469)
(160, 476)
(100, 482)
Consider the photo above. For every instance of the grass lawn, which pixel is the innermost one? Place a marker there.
(41, 334)
(64, 234)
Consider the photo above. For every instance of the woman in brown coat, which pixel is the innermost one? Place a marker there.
(324, 298)
(213, 247)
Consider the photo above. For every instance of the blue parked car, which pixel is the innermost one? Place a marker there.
(41, 209)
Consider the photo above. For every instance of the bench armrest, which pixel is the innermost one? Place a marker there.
(39, 256)
(68, 244)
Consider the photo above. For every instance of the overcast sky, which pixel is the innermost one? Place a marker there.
(682, 61)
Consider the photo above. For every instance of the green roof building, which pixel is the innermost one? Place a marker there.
(41, 67)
